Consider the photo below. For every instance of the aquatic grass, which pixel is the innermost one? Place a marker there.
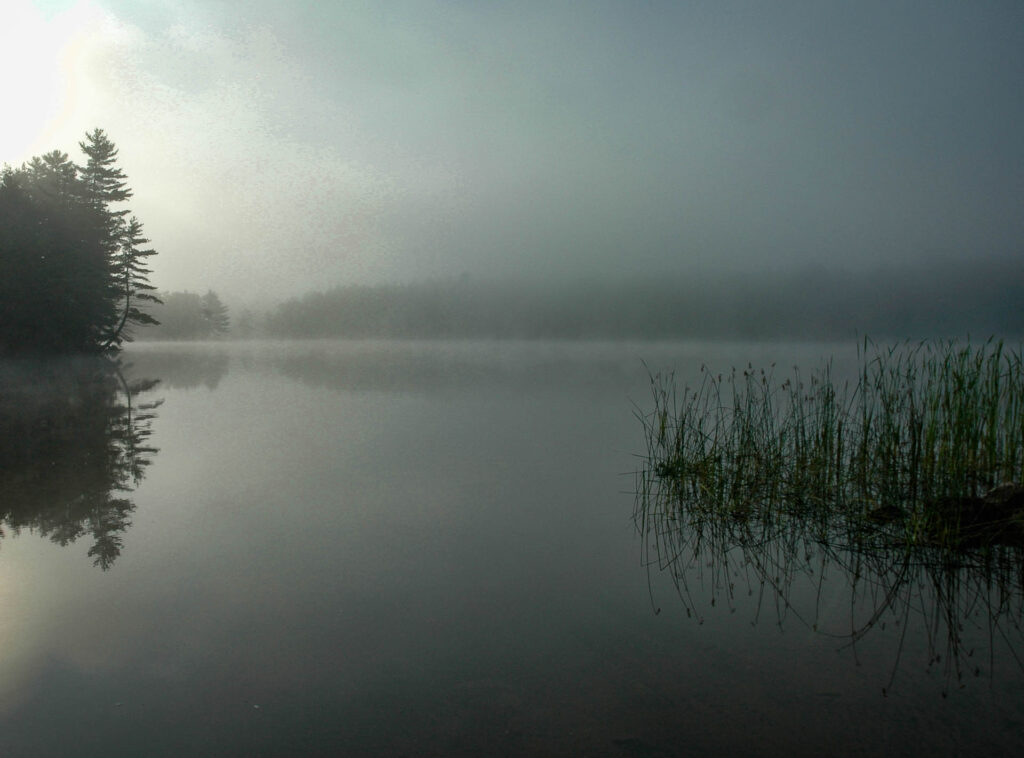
(905, 479)
(924, 438)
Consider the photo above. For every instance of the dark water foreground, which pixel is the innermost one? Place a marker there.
(428, 549)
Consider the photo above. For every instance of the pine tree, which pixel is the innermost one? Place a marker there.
(134, 276)
(215, 314)
(56, 177)
(106, 184)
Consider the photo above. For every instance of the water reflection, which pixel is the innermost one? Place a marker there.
(73, 445)
(180, 366)
(957, 608)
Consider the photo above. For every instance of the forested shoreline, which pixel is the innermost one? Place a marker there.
(945, 300)
(188, 315)
(75, 279)
(75, 273)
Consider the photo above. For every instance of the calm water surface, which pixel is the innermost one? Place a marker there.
(428, 549)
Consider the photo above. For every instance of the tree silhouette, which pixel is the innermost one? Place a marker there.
(215, 313)
(74, 269)
(54, 289)
(134, 276)
(105, 185)
(189, 315)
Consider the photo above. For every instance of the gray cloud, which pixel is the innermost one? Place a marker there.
(302, 145)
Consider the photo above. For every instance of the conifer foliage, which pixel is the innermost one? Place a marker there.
(74, 273)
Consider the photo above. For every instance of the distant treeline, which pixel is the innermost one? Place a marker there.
(947, 300)
(188, 316)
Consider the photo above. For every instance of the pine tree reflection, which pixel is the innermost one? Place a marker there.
(946, 600)
(73, 445)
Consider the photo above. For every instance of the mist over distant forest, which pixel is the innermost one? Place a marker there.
(944, 300)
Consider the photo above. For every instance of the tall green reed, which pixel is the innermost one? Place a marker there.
(887, 478)
(926, 430)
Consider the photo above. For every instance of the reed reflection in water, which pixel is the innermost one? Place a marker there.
(901, 497)
(966, 608)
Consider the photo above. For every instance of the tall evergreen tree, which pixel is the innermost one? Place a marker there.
(56, 177)
(215, 314)
(104, 181)
(134, 278)
(105, 184)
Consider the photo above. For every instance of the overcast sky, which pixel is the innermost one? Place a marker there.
(276, 146)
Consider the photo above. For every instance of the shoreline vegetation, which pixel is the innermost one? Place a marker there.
(931, 436)
(908, 480)
(75, 266)
(945, 300)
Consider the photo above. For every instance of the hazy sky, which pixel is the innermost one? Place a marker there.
(276, 146)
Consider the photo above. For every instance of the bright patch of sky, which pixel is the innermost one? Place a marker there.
(276, 147)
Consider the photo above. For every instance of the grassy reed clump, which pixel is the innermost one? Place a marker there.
(927, 446)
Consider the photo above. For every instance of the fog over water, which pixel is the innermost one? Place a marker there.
(302, 146)
(434, 274)
(427, 548)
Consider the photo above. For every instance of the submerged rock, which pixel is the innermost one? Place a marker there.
(1008, 497)
(995, 518)
(886, 514)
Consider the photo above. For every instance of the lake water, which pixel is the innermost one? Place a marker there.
(429, 549)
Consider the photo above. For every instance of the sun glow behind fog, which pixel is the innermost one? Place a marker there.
(302, 145)
(187, 88)
(41, 57)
